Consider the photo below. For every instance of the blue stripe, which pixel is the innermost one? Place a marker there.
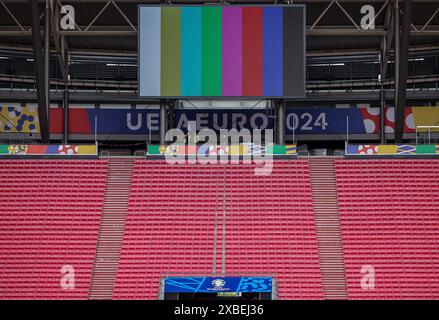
(272, 55)
(191, 51)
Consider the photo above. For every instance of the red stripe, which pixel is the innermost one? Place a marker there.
(252, 51)
(79, 121)
(56, 120)
(36, 149)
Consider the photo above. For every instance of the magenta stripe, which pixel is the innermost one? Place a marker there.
(232, 51)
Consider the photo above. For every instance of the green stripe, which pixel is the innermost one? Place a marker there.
(154, 149)
(171, 52)
(211, 51)
(277, 149)
(4, 149)
(422, 149)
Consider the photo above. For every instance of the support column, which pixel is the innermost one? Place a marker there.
(403, 71)
(382, 115)
(397, 47)
(280, 108)
(47, 61)
(163, 122)
(39, 63)
(171, 117)
(66, 116)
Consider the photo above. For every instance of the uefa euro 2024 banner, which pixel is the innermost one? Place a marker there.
(298, 121)
(24, 119)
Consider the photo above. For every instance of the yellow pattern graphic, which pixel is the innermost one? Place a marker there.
(387, 149)
(426, 116)
(17, 149)
(87, 149)
(15, 118)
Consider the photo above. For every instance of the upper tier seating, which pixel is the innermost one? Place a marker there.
(50, 213)
(389, 211)
(171, 219)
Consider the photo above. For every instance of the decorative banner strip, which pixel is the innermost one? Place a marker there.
(245, 149)
(392, 149)
(53, 150)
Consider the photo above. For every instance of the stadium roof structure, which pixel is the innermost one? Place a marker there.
(111, 26)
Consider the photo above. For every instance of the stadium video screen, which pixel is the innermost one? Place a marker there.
(216, 51)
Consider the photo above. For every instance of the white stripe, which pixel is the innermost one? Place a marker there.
(149, 51)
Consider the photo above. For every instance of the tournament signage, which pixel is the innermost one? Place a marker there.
(299, 121)
(225, 119)
(217, 284)
(328, 121)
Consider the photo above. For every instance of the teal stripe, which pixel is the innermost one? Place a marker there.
(191, 51)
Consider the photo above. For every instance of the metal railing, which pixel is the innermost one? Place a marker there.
(426, 134)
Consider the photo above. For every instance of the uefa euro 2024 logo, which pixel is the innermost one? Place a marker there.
(218, 283)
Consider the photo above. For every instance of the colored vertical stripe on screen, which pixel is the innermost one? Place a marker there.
(211, 51)
(293, 76)
(232, 51)
(149, 68)
(171, 52)
(191, 51)
(272, 54)
(252, 51)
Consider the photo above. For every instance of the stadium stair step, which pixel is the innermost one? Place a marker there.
(112, 228)
(325, 202)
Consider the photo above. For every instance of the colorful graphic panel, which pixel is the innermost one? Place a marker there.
(357, 120)
(392, 149)
(15, 118)
(425, 116)
(203, 150)
(216, 51)
(52, 150)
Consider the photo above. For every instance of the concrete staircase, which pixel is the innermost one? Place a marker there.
(112, 227)
(324, 193)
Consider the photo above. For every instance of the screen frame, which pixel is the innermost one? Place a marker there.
(302, 6)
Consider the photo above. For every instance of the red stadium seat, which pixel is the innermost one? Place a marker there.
(389, 215)
(170, 226)
(50, 212)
